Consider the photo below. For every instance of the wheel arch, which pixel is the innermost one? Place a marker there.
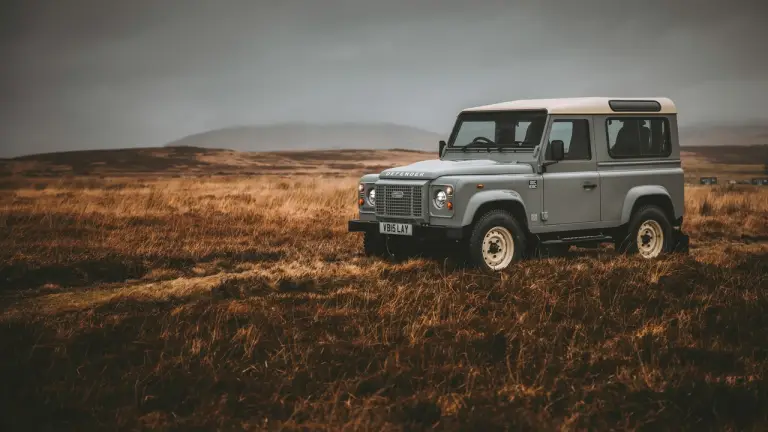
(640, 196)
(483, 202)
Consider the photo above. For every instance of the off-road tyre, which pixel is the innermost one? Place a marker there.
(496, 227)
(646, 225)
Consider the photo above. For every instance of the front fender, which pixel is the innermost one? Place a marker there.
(481, 198)
(637, 192)
(369, 178)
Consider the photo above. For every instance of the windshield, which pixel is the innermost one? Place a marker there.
(513, 130)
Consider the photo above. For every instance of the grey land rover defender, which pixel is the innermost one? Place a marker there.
(531, 175)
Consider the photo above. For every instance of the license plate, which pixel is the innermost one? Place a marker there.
(395, 228)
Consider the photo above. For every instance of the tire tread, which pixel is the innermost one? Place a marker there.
(628, 245)
(517, 233)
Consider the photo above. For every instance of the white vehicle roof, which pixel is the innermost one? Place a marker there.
(582, 105)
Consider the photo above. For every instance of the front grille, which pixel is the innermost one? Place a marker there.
(409, 205)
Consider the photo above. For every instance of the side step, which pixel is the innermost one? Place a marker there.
(575, 240)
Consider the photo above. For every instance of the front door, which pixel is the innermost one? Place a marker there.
(572, 185)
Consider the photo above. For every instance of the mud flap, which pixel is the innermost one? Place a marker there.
(681, 242)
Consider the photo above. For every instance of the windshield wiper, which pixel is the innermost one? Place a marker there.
(487, 144)
(490, 144)
(523, 142)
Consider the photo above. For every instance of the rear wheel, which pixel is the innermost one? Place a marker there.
(496, 241)
(649, 233)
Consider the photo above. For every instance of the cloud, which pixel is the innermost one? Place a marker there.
(100, 74)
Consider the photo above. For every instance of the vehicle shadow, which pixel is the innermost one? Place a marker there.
(111, 267)
(454, 256)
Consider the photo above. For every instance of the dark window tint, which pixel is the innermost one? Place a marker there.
(632, 137)
(629, 105)
(575, 137)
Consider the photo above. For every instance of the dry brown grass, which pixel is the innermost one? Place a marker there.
(203, 162)
(241, 302)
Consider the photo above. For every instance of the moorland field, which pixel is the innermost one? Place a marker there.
(189, 289)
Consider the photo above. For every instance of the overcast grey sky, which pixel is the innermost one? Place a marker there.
(82, 74)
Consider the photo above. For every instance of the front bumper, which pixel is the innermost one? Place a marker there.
(419, 231)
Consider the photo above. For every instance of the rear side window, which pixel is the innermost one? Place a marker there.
(636, 137)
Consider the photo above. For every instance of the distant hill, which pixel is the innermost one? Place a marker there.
(197, 161)
(748, 134)
(307, 136)
(731, 154)
(738, 162)
(341, 136)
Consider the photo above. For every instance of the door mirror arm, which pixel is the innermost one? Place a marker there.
(545, 164)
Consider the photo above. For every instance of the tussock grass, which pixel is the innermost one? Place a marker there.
(240, 302)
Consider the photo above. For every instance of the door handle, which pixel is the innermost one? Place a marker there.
(588, 186)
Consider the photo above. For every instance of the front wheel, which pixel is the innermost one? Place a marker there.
(649, 233)
(496, 241)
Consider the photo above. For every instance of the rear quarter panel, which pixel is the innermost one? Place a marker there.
(623, 180)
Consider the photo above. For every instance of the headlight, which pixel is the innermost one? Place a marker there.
(440, 199)
(372, 197)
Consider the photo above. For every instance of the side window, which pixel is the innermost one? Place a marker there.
(575, 136)
(638, 137)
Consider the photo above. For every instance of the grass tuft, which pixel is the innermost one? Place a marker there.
(238, 301)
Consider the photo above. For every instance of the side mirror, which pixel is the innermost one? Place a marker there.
(558, 150)
(441, 147)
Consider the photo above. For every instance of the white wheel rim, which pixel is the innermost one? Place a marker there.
(498, 248)
(650, 239)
